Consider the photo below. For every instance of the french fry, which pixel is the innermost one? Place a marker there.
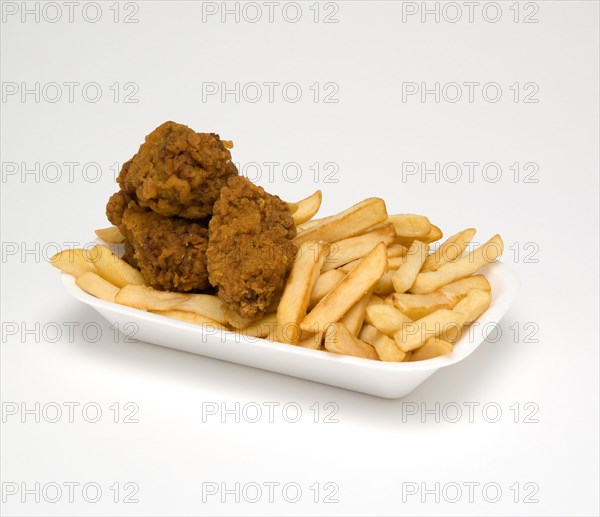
(416, 306)
(312, 341)
(472, 306)
(386, 319)
(413, 335)
(325, 283)
(348, 223)
(463, 267)
(452, 248)
(456, 291)
(191, 317)
(396, 250)
(405, 275)
(433, 347)
(354, 318)
(435, 234)
(410, 226)
(115, 270)
(110, 234)
(386, 348)
(148, 299)
(396, 262)
(306, 208)
(236, 321)
(375, 300)
(353, 248)
(97, 286)
(260, 328)
(384, 285)
(296, 296)
(339, 339)
(74, 262)
(356, 283)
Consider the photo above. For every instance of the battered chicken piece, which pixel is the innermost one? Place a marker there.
(250, 251)
(178, 172)
(170, 252)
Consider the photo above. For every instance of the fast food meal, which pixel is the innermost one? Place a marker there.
(203, 245)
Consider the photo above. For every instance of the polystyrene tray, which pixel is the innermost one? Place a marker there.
(383, 379)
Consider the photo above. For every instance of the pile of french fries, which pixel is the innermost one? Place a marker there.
(364, 284)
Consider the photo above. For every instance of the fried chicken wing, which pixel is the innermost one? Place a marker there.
(250, 250)
(178, 172)
(170, 252)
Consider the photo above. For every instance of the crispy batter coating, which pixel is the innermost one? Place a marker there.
(178, 172)
(170, 252)
(250, 250)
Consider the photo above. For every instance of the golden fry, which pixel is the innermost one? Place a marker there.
(463, 267)
(433, 347)
(110, 234)
(413, 335)
(296, 296)
(96, 286)
(406, 274)
(386, 319)
(74, 262)
(352, 248)
(348, 223)
(386, 348)
(356, 283)
(452, 248)
(114, 269)
(339, 339)
(410, 226)
(307, 208)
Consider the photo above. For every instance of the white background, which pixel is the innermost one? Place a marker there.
(376, 451)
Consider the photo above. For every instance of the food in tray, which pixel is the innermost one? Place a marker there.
(206, 246)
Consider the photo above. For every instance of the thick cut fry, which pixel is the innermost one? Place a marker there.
(353, 248)
(146, 298)
(405, 275)
(416, 306)
(396, 250)
(191, 317)
(348, 223)
(375, 300)
(396, 262)
(238, 321)
(261, 327)
(296, 296)
(74, 261)
(307, 208)
(410, 226)
(456, 291)
(433, 347)
(413, 335)
(115, 270)
(325, 283)
(386, 348)
(356, 283)
(452, 248)
(435, 234)
(339, 339)
(354, 318)
(96, 285)
(312, 341)
(386, 319)
(463, 267)
(472, 306)
(384, 285)
(110, 234)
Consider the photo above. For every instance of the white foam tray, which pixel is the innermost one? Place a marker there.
(383, 379)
